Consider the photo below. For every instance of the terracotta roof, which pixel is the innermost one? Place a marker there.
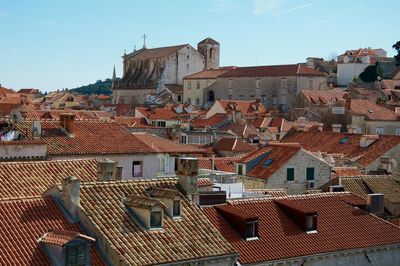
(142, 202)
(212, 121)
(225, 164)
(90, 137)
(168, 193)
(372, 111)
(204, 182)
(5, 90)
(190, 237)
(128, 121)
(54, 114)
(272, 71)
(160, 52)
(163, 145)
(324, 97)
(61, 237)
(157, 113)
(174, 88)
(247, 108)
(28, 91)
(385, 185)
(23, 222)
(329, 142)
(27, 179)
(268, 191)
(209, 73)
(273, 158)
(347, 171)
(235, 145)
(279, 237)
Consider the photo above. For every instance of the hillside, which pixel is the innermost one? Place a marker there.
(100, 87)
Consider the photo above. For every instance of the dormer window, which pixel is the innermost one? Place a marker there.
(310, 225)
(176, 208)
(155, 219)
(75, 254)
(251, 230)
(170, 198)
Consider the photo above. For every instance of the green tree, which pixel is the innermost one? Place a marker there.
(396, 46)
(371, 73)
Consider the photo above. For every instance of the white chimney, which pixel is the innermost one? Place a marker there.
(106, 170)
(70, 195)
(336, 127)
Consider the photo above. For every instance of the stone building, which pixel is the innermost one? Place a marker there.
(275, 85)
(148, 73)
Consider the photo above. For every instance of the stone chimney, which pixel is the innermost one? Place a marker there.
(301, 123)
(67, 121)
(351, 129)
(118, 173)
(188, 175)
(336, 127)
(70, 196)
(106, 170)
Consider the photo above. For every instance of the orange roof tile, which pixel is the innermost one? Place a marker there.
(225, 164)
(209, 122)
(23, 222)
(158, 113)
(235, 145)
(27, 179)
(274, 70)
(279, 237)
(329, 142)
(90, 137)
(347, 171)
(191, 237)
(209, 73)
(372, 111)
(247, 108)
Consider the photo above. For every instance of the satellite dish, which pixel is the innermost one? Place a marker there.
(16, 116)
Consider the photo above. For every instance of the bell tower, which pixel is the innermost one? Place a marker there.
(209, 48)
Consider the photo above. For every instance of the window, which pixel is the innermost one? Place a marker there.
(179, 98)
(310, 226)
(176, 208)
(161, 124)
(75, 255)
(189, 85)
(258, 83)
(162, 164)
(155, 219)
(397, 131)
(230, 85)
(198, 85)
(240, 169)
(184, 139)
(379, 130)
(197, 101)
(211, 96)
(137, 169)
(311, 83)
(310, 173)
(290, 174)
(274, 100)
(251, 230)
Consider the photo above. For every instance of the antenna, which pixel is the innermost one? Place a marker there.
(144, 41)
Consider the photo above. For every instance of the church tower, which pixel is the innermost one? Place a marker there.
(209, 48)
(114, 79)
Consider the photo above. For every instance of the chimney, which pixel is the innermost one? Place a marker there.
(70, 195)
(118, 173)
(212, 163)
(348, 102)
(302, 123)
(320, 127)
(188, 175)
(386, 164)
(67, 121)
(351, 129)
(336, 127)
(106, 170)
(367, 140)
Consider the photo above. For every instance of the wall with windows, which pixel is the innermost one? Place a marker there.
(295, 180)
(386, 127)
(193, 90)
(149, 162)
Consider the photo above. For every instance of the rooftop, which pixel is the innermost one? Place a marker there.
(188, 238)
(372, 111)
(279, 237)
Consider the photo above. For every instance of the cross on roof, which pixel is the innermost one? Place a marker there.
(144, 41)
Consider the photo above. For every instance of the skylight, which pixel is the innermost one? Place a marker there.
(267, 163)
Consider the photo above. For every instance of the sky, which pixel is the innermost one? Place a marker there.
(57, 44)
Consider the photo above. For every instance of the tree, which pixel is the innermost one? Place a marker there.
(371, 73)
(396, 46)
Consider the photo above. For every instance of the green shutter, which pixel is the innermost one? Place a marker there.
(290, 174)
(310, 173)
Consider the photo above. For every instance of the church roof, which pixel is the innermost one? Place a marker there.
(209, 40)
(159, 52)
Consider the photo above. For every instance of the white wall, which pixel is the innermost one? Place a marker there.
(150, 162)
(9, 151)
(346, 72)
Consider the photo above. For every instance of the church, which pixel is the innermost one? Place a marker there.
(151, 74)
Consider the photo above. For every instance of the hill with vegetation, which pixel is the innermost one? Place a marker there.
(100, 87)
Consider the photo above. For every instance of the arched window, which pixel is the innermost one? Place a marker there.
(211, 53)
(210, 97)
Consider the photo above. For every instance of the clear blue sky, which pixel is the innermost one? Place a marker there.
(63, 44)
